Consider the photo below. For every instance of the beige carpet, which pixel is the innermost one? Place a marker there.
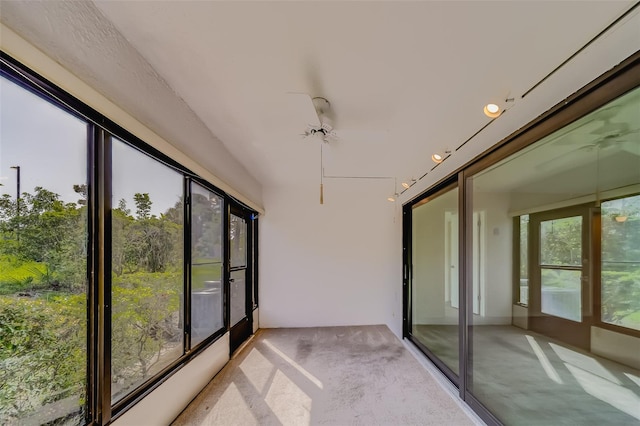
(324, 376)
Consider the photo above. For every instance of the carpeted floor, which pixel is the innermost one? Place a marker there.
(324, 376)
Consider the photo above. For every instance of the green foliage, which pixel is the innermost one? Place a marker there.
(143, 205)
(621, 297)
(43, 285)
(47, 231)
(146, 320)
(42, 353)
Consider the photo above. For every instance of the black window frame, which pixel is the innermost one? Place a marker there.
(101, 129)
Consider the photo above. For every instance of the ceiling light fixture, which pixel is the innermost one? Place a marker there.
(405, 185)
(439, 157)
(492, 110)
(393, 198)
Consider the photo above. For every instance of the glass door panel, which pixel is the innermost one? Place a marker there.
(434, 289)
(238, 296)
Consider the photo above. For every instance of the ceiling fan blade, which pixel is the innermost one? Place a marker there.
(302, 106)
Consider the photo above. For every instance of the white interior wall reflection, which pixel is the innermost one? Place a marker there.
(434, 266)
(492, 251)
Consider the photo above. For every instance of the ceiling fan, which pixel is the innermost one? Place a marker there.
(318, 115)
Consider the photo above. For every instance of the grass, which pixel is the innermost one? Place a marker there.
(16, 275)
(205, 272)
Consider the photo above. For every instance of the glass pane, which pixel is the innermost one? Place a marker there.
(434, 283)
(561, 241)
(524, 260)
(43, 268)
(206, 225)
(147, 268)
(238, 237)
(206, 269)
(206, 301)
(561, 293)
(621, 262)
(526, 367)
(238, 296)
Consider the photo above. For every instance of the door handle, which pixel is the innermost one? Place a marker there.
(231, 280)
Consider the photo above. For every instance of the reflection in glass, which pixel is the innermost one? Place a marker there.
(434, 282)
(524, 365)
(561, 241)
(43, 267)
(621, 262)
(561, 293)
(523, 297)
(238, 296)
(147, 268)
(238, 237)
(206, 268)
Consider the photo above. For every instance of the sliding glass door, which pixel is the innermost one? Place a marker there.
(538, 322)
(435, 299)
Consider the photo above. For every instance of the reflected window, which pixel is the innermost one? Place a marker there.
(523, 283)
(620, 270)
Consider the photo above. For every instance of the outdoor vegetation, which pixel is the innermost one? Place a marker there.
(43, 301)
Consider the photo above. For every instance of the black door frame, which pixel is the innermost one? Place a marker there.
(239, 332)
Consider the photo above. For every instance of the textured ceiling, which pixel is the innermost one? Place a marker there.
(405, 79)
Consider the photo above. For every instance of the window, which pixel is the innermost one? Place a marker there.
(147, 268)
(523, 273)
(620, 269)
(97, 259)
(43, 261)
(206, 263)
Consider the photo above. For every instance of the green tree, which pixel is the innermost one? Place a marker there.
(143, 205)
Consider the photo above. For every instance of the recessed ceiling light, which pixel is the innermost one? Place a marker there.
(405, 185)
(491, 110)
(437, 158)
(391, 199)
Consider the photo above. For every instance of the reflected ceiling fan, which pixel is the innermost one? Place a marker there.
(608, 132)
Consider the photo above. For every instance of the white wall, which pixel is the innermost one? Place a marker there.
(334, 264)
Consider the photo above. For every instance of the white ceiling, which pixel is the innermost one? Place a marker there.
(404, 79)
